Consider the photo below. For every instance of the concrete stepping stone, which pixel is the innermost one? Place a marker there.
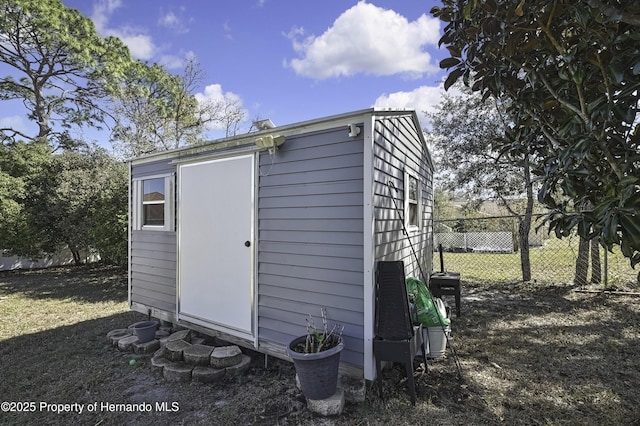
(197, 354)
(114, 336)
(162, 333)
(184, 335)
(158, 363)
(331, 406)
(197, 340)
(183, 356)
(207, 374)
(241, 367)
(166, 328)
(173, 350)
(177, 372)
(225, 356)
(126, 343)
(146, 347)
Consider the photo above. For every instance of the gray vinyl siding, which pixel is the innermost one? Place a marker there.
(310, 238)
(153, 255)
(398, 146)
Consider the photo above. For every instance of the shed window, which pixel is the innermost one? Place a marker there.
(153, 200)
(153, 203)
(412, 201)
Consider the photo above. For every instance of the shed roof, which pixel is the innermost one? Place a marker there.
(247, 140)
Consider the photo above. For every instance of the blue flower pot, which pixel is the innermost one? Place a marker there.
(146, 331)
(317, 372)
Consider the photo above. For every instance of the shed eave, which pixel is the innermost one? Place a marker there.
(247, 139)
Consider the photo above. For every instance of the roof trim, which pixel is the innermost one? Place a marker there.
(247, 139)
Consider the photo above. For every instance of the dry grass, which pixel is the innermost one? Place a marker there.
(530, 355)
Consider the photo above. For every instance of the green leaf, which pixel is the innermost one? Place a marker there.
(468, 9)
(452, 78)
(449, 62)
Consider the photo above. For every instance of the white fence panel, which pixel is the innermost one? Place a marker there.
(493, 242)
(64, 257)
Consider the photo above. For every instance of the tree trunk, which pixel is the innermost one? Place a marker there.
(523, 236)
(596, 270)
(524, 225)
(77, 260)
(582, 262)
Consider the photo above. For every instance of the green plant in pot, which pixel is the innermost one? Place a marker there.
(316, 357)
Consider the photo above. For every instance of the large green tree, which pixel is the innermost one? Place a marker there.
(61, 69)
(464, 128)
(56, 191)
(156, 111)
(572, 72)
(21, 164)
(75, 199)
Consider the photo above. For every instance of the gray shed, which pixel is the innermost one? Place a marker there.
(238, 239)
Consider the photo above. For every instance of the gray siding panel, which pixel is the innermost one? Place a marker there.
(152, 264)
(310, 253)
(308, 273)
(153, 269)
(398, 147)
(352, 252)
(312, 176)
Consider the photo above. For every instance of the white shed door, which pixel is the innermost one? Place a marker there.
(215, 244)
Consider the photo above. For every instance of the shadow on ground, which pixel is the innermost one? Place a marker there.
(530, 355)
(87, 283)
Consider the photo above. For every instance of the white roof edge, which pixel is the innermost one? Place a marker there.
(232, 142)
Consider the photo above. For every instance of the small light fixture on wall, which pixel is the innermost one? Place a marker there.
(270, 142)
(354, 130)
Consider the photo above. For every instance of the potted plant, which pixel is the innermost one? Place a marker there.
(316, 357)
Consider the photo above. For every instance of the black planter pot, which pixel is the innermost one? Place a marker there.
(317, 372)
(146, 331)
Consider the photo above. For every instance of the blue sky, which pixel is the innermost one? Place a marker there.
(287, 60)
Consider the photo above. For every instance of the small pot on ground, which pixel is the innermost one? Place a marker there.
(146, 331)
(316, 357)
(317, 372)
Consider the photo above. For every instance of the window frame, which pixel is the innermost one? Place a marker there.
(139, 203)
(408, 202)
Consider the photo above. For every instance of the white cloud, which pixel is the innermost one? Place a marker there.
(16, 123)
(367, 39)
(175, 21)
(169, 20)
(102, 10)
(226, 28)
(214, 95)
(140, 44)
(421, 99)
(173, 62)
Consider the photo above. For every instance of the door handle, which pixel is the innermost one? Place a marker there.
(247, 243)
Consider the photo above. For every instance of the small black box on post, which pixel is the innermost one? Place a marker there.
(446, 284)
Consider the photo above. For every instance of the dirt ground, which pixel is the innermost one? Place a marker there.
(529, 354)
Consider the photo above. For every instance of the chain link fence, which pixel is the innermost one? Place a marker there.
(486, 249)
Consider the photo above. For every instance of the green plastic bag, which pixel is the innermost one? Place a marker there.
(427, 313)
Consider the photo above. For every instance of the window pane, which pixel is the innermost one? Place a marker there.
(153, 190)
(413, 214)
(153, 214)
(413, 188)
